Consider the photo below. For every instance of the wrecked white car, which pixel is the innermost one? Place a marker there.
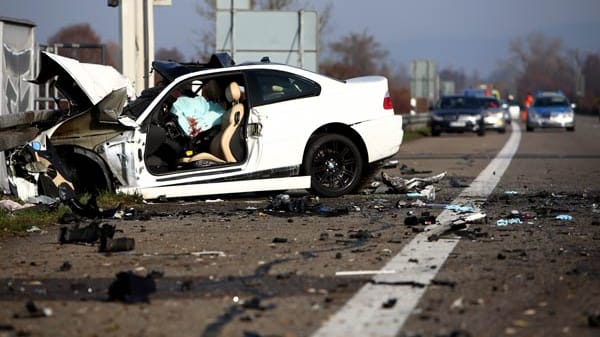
(282, 128)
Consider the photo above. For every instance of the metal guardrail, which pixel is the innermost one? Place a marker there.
(415, 121)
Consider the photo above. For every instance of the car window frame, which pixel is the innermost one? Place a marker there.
(258, 96)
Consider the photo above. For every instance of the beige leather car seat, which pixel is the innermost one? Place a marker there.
(221, 144)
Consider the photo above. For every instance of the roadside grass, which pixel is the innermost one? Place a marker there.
(410, 135)
(41, 215)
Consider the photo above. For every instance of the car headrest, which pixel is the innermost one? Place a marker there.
(211, 90)
(232, 93)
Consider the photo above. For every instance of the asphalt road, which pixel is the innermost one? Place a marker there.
(234, 268)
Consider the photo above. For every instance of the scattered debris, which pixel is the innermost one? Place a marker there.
(364, 272)
(280, 240)
(402, 185)
(11, 205)
(33, 311)
(428, 193)
(450, 284)
(459, 208)
(133, 214)
(392, 163)
(507, 222)
(42, 199)
(66, 266)
(110, 245)
(389, 303)
(457, 304)
(564, 217)
(255, 304)
(34, 229)
(409, 170)
(88, 234)
(425, 219)
(283, 202)
(209, 253)
(593, 320)
(330, 212)
(361, 235)
(414, 284)
(131, 288)
(459, 224)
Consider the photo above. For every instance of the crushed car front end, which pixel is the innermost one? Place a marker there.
(75, 151)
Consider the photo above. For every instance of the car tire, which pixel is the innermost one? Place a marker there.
(503, 130)
(435, 132)
(570, 128)
(481, 132)
(335, 165)
(529, 128)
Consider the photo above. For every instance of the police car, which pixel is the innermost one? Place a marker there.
(551, 110)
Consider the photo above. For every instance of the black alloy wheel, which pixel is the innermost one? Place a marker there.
(335, 165)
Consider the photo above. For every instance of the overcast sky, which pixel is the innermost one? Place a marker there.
(465, 34)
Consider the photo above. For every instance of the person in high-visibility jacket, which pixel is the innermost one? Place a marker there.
(527, 104)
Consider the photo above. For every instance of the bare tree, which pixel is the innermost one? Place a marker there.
(172, 54)
(591, 73)
(81, 33)
(361, 54)
(541, 64)
(354, 55)
(457, 76)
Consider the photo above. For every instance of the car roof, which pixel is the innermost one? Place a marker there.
(170, 70)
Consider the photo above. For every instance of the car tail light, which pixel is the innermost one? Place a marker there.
(387, 103)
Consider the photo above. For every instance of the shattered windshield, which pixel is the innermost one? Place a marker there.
(135, 108)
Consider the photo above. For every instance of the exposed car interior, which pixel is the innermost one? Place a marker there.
(170, 148)
(227, 145)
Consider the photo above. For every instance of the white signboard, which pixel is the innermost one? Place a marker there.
(289, 37)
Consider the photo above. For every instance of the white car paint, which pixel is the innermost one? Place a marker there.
(95, 80)
(277, 133)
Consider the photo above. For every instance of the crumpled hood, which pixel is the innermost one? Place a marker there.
(547, 111)
(93, 82)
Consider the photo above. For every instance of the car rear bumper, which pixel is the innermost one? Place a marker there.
(382, 136)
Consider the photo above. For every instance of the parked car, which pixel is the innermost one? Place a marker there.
(284, 128)
(551, 110)
(457, 113)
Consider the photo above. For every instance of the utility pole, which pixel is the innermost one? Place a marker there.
(136, 27)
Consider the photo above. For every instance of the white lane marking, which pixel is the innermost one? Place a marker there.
(363, 314)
